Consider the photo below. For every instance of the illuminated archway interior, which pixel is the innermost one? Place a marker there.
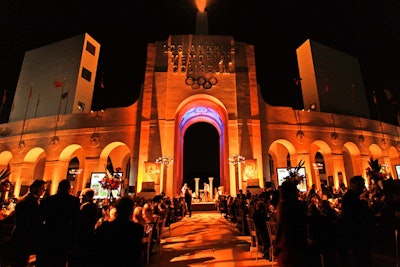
(195, 112)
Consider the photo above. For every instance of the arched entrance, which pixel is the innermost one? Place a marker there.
(195, 109)
(201, 154)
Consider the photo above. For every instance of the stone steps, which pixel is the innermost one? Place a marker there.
(204, 206)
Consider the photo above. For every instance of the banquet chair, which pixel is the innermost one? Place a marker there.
(146, 242)
(254, 239)
(239, 219)
(272, 230)
(160, 226)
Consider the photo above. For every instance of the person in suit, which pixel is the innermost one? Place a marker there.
(358, 224)
(88, 216)
(188, 201)
(184, 187)
(59, 218)
(291, 238)
(25, 236)
(119, 242)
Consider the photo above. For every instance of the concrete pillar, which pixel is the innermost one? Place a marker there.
(239, 169)
(210, 179)
(197, 180)
(55, 171)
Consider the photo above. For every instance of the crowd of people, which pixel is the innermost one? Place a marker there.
(322, 227)
(67, 230)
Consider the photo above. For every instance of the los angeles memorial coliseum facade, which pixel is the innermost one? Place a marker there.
(190, 79)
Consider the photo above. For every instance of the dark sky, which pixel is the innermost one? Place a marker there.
(366, 29)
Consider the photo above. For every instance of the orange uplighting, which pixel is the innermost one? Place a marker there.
(201, 5)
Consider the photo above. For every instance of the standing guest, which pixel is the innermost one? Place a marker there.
(88, 217)
(119, 242)
(241, 195)
(291, 237)
(184, 187)
(188, 201)
(59, 216)
(27, 223)
(358, 224)
(248, 194)
(206, 191)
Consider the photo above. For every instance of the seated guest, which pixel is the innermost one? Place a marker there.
(150, 219)
(119, 242)
(138, 216)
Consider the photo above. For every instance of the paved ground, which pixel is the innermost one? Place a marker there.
(205, 239)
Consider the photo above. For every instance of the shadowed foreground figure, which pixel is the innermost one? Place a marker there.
(119, 242)
(292, 248)
(59, 217)
(26, 233)
(358, 225)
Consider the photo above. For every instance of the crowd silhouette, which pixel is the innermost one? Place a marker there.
(320, 227)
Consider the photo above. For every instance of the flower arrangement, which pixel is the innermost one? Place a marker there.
(110, 183)
(375, 171)
(294, 174)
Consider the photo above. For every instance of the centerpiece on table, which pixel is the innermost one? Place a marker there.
(110, 183)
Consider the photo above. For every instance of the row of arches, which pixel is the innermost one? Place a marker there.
(324, 164)
(73, 163)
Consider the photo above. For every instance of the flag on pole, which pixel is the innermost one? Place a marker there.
(326, 87)
(102, 80)
(353, 91)
(3, 100)
(58, 84)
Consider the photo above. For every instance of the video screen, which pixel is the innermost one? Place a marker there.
(398, 171)
(99, 191)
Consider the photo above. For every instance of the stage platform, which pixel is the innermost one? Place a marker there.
(204, 206)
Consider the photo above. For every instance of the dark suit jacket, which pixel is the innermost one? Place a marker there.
(119, 243)
(59, 215)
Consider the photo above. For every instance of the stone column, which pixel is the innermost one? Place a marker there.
(239, 169)
(210, 179)
(197, 180)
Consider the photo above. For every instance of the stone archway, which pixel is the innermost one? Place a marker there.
(201, 108)
(201, 155)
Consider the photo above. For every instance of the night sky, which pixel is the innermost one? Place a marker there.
(366, 29)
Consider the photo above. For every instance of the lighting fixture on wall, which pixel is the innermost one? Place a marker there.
(80, 106)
